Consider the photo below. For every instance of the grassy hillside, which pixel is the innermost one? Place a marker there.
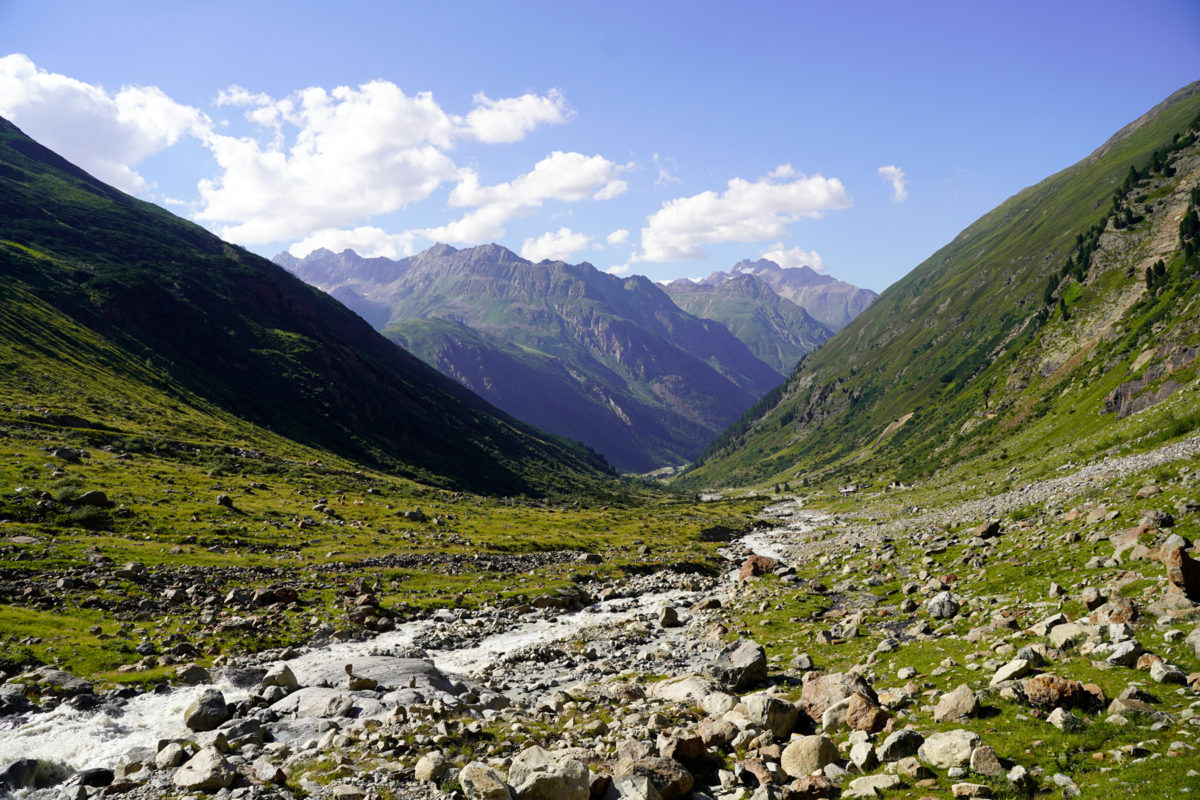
(105, 292)
(950, 362)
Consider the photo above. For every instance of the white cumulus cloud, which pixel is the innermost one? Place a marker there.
(366, 240)
(793, 257)
(895, 176)
(618, 269)
(509, 119)
(105, 133)
(619, 236)
(746, 212)
(555, 245)
(566, 177)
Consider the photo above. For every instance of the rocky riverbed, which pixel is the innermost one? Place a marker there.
(952, 653)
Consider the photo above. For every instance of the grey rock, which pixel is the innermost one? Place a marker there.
(429, 767)
(899, 744)
(1065, 721)
(207, 771)
(537, 774)
(1124, 654)
(948, 749)
(943, 606)
(481, 782)
(281, 675)
(958, 704)
(740, 665)
(807, 754)
(871, 786)
(207, 712)
(632, 787)
(771, 713)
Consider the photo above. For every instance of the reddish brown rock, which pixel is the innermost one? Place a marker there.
(1051, 691)
(681, 746)
(1129, 541)
(864, 714)
(759, 769)
(1183, 573)
(716, 732)
(755, 566)
(1119, 608)
(811, 788)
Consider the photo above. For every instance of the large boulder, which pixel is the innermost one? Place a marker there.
(667, 775)
(207, 712)
(948, 749)
(481, 782)
(943, 606)
(537, 774)
(1183, 573)
(684, 689)
(960, 703)
(808, 754)
(755, 566)
(1051, 691)
(864, 714)
(900, 744)
(771, 713)
(207, 771)
(823, 691)
(740, 665)
(631, 787)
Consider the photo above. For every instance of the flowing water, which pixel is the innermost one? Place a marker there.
(99, 738)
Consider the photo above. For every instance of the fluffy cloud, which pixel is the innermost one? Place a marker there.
(746, 212)
(895, 176)
(567, 177)
(555, 245)
(356, 152)
(619, 236)
(619, 269)
(367, 241)
(793, 257)
(509, 119)
(106, 134)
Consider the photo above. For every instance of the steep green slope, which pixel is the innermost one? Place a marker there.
(205, 328)
(971, 356)
(633, 376)
(775, 329)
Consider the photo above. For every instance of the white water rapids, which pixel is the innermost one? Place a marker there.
(90, 739)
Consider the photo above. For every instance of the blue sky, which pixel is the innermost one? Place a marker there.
(662, 138)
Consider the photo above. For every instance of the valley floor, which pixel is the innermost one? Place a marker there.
(1043, 640)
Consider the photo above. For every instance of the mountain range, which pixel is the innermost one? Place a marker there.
(612, 362)
(1055, 327)
(117, 308)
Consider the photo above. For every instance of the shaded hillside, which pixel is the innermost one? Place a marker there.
(186, 315)
(611, 362)
(1032, 332)
(776, 330)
